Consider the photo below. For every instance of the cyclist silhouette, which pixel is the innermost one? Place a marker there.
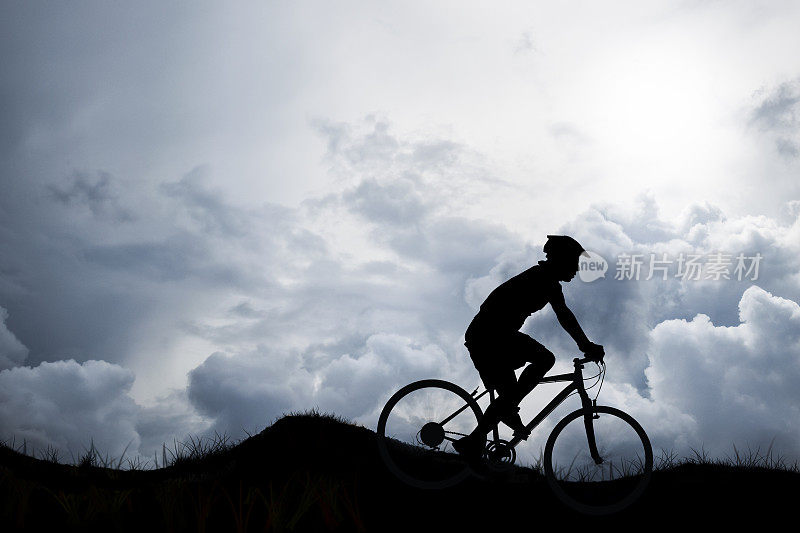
(498, 348)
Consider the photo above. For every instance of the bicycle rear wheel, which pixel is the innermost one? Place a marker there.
(583, 484)
(418, 425)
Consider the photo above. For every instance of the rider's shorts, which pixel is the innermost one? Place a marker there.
(496, 352)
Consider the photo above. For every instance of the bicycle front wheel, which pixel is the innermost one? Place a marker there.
(418, 426)
(624, 452)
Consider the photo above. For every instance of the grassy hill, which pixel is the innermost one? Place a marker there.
(318, 473)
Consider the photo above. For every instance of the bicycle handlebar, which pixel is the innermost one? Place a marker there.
(582, 360)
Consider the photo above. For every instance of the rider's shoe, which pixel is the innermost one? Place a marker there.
(522, 433)
(513, 420)
(470, 447)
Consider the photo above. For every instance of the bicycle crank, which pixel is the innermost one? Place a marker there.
(501, 454)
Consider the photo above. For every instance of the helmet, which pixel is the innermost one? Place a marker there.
(563, 247)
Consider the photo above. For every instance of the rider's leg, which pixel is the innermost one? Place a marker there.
(507, 408)
(504, 382)
(525, 350)
(541, 361)
(520, 349)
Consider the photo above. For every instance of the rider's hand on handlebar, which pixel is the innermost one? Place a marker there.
(593, 351)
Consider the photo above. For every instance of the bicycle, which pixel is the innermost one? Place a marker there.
(597, 460)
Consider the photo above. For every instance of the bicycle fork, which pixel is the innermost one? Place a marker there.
(588, 420)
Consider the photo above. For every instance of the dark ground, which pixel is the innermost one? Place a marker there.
(316, 473)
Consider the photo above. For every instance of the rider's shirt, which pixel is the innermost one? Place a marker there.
(507, 307)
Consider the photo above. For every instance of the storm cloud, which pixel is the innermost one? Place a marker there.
(12, 352)
(209, 218)
(60, 404)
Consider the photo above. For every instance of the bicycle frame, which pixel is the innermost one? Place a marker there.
(576, 384)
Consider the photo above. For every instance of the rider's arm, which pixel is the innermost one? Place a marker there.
(570, 324)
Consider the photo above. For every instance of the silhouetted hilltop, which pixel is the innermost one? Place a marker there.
(318, 473)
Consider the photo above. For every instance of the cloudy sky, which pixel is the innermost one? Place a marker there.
(213, 215)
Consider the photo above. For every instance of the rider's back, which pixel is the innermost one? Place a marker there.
(513, 301)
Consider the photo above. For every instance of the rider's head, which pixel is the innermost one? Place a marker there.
(562, 255)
